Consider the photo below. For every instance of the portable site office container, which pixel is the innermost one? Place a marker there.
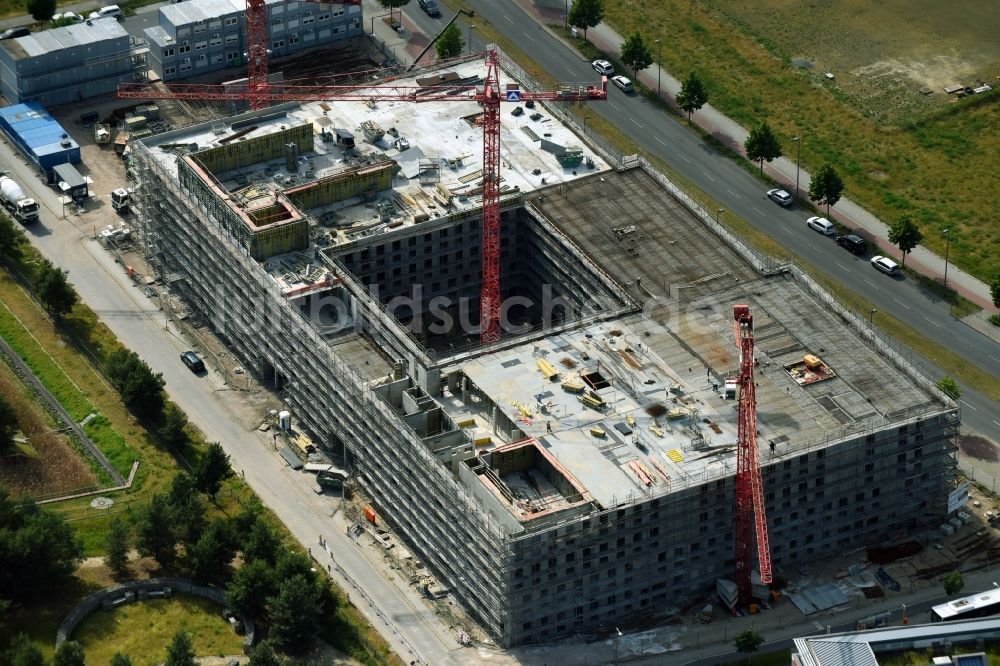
(39, 136)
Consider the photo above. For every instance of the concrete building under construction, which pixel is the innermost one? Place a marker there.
(578, 474)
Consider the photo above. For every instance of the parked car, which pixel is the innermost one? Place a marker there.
(11, 33)
(603, 67)
(111, 11)
(624, 83)
(822, 225)
(430, 6)
(853, 244)
(886, 265)
(780, 197)
(68, 18)
(193, 362)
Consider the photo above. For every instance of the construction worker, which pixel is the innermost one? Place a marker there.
(548, 427)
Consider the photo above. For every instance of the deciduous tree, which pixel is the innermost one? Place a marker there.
(906, 235)
(54, 290)
(995, 290)
(692, 95)
(118, 542)
(762, 145)
(586, 14)
(950, 387)
(826, 187)
(953, 583)
(450, 44)
(394, 4)
(41, 10)
(212, 470)
(749, 641)
(635, 53)
(11, 239)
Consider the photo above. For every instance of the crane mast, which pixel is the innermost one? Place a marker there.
(750, 516)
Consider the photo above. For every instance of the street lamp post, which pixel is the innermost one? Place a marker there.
(718, 214)
(871, 316)
(947, 249)
(585, 119)
(798, 152)
(565, 14)
(659, 48)
(471, 28)
(618, 633)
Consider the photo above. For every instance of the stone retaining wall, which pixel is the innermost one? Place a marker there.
(139, 590)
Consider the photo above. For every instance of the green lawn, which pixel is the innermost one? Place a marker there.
(143, 630)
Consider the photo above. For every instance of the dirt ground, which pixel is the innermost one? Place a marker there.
(882, 53)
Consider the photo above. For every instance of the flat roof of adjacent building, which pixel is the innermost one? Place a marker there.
(859, 648)
(182, 13)
(67, 37)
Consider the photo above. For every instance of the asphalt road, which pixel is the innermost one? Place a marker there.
(141, 326)
(741, 194)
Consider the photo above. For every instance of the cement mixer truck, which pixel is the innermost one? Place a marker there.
(21, 208)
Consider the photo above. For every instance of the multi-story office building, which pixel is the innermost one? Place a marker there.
(201, 36)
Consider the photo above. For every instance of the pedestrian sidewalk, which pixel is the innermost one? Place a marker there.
(783, 169)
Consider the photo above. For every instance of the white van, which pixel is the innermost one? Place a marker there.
(111, 11)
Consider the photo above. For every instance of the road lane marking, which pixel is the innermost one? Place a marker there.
(758, 211)
(633, 120)
(970, 407)
(787, 231)
(615, 106)
(707, 174)
(995, 358)
(660, 140)
(528, 36)
(508, 19)
(812, 246)
(734, 194)
(902, 303)
(933, 322)
(995, 421)
(681, 155)
(872, 285)
(841, 265)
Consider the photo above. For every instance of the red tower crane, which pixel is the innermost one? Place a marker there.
(260, 92)
(749, 488)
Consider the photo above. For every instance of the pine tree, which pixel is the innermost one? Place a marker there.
(117, 542)
(212, 470)
(156, 535)
(180, 652)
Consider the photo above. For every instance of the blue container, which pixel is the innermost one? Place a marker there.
(39, 136)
